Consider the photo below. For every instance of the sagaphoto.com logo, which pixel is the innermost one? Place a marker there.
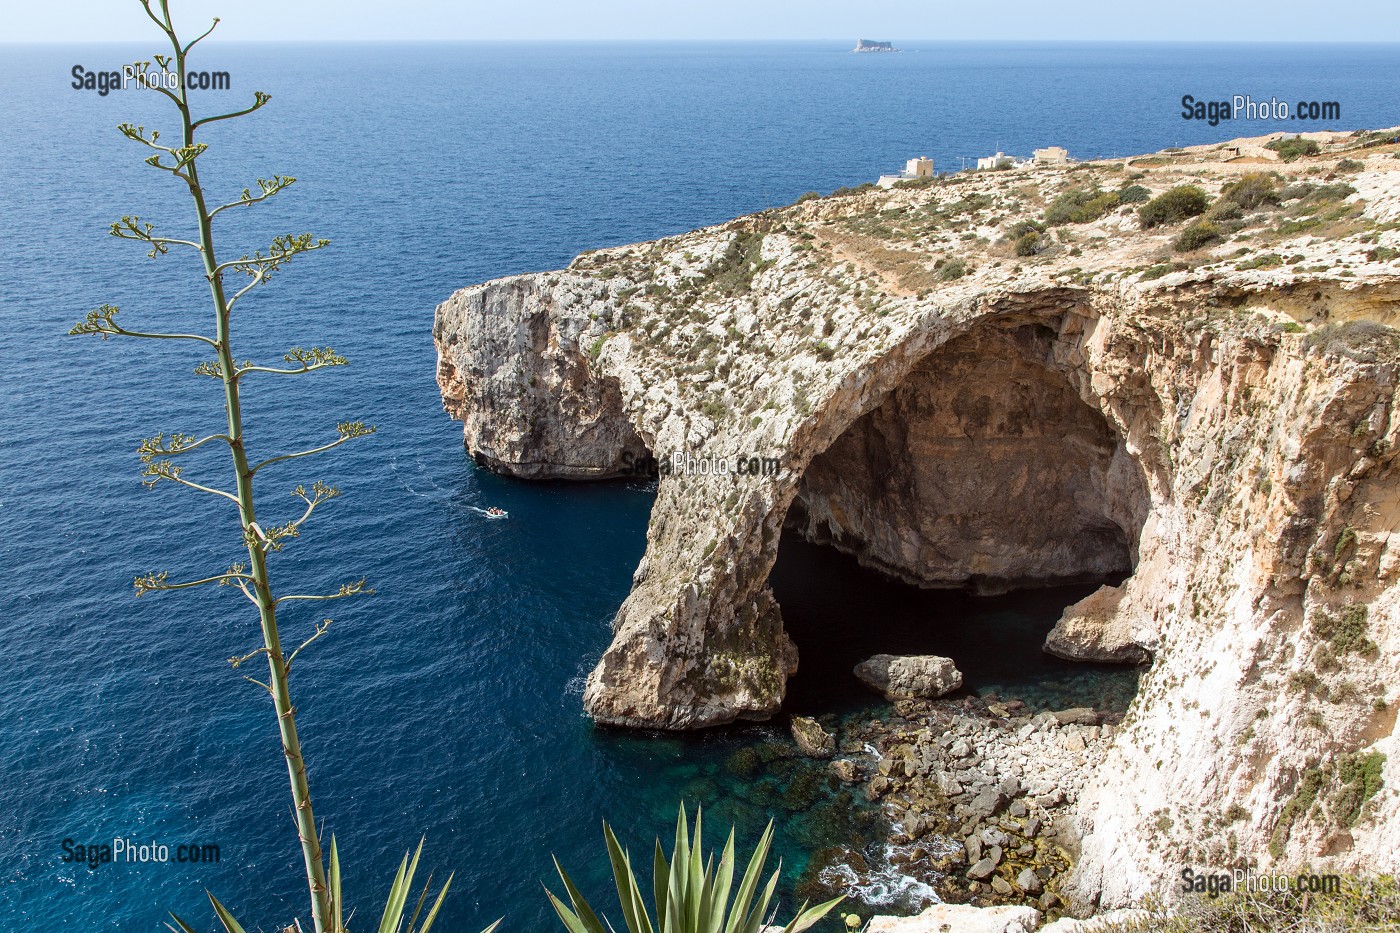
(142, 76)
(1245, 107)
(121, 850)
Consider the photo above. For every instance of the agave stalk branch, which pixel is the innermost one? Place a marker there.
(260, 586)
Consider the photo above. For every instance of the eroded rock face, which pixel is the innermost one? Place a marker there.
(909, 677)
(513, 367)
(984, 467)
(1226, 434)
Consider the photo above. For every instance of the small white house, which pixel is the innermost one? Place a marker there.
(1000, 160)
(922, 167)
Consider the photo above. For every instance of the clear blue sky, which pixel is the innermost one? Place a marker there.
(1231, 20)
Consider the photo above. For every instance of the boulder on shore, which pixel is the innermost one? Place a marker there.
(902, 677)
(1094, 629)
(814, 741)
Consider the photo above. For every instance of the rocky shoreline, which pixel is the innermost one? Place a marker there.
(977, 792)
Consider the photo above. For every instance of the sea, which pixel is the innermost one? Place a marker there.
(446, 706)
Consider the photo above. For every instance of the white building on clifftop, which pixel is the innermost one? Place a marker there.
(914, 169)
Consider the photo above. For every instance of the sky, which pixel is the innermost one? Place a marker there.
(1182, 20)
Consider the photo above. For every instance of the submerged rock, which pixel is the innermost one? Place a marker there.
(814, 741)
(909, 676)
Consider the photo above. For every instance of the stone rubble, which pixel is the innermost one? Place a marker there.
(978, 793)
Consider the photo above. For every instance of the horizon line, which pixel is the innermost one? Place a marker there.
(730, 39)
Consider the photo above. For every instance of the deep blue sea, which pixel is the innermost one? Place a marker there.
(447, 705)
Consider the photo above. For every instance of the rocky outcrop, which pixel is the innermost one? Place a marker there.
(1095, 629)
(910, 677)
(513, 367)
(811, 738)
(883, 373)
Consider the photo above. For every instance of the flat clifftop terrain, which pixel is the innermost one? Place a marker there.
(1177, 368)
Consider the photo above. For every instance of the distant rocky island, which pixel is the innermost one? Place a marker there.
(873, 45)
(1179, 370)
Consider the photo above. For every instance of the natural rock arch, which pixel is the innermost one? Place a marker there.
(984, 468)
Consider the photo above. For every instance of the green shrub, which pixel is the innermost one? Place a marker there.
(1360, 777)
(1381, 254)
(1346, 631)
(1134, 194)
(1294, 147)
(1199, 234)
(1080, 206)
(1180, 203)
(809, 196)
(715, 410)
(1225, 210)
(1253, 190)
(742, 260)
(1031, 243)
(1350, 165)
(953, 269)
(1334, 192)
(1265, 261)
(858, 189)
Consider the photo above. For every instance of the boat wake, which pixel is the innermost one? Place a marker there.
(433, 493)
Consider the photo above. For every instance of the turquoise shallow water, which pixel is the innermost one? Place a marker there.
(448, 704)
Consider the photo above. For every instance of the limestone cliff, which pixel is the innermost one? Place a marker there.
(961, 402)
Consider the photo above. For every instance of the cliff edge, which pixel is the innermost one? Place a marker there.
(1013, 378)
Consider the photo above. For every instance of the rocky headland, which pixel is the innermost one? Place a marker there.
(1178, 370)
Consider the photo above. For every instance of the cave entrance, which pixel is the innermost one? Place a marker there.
(960, 517)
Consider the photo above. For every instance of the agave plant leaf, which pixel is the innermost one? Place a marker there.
(582, 912)
(724, 880)
(749, 883)
(572, 922)
(333, 882)
(634, 910)
(437, 905)
(660, 885)
(179, 926)
(807, 916)
(398, 893)
(691, 893)
(755, 920)
(225, 918)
